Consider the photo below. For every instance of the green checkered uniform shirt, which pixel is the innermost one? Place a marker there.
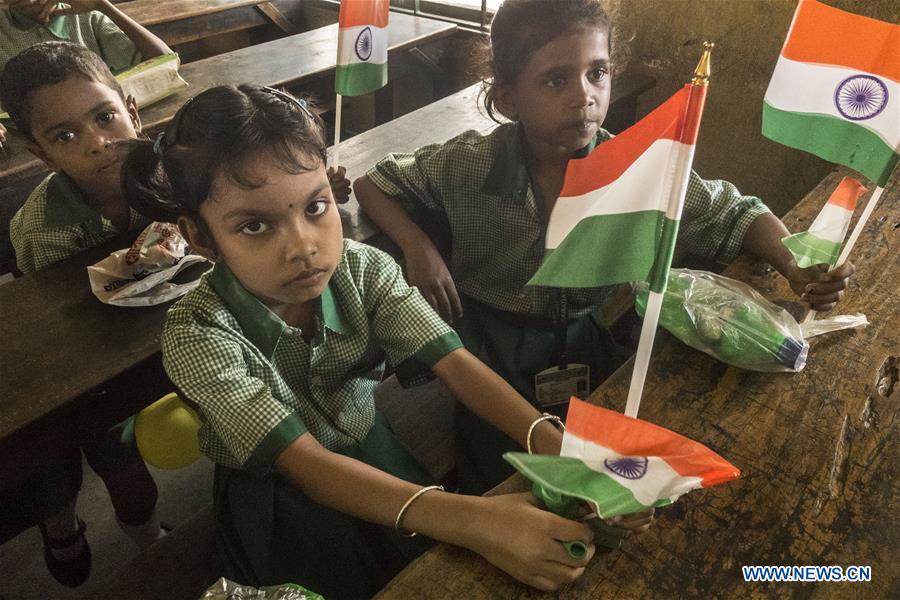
(55, 223)
(481, 183)
(93, 30)
(260, 385)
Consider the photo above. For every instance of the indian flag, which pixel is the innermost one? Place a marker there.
(821, 244)
(622, 465)
(613, 214)
(362, 47)
(835, 91)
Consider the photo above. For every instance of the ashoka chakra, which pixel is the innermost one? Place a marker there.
(861, 97)
(629, 467)
(364, 44)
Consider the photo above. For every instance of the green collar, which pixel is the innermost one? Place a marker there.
(259, 324)
(56, 25)
(509, 174)
(66, 205)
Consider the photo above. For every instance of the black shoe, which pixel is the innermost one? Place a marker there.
(70, 573)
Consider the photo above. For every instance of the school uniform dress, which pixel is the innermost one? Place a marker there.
(480, 185)
(93, 30)
(56, 223)
(259, 386)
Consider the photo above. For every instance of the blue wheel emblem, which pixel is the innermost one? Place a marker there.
(363, 45)
(629, 467)
(860, 97)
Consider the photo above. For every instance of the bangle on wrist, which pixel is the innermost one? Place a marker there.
(407, 504)
(543, 417)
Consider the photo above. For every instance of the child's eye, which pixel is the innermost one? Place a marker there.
(317, 207)
(65, 136)
(598, 74)
(106, 116)
(556, 82)
(254, 228)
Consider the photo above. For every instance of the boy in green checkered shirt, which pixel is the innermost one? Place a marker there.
(551, 78)
(280, 347)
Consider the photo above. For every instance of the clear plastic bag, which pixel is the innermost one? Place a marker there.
(224, 589)
(730, 321)
(811, 329)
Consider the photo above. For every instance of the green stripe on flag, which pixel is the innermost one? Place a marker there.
(809, 250)
(659, 276)
(833, 139)
(360, 78)
(571, 477)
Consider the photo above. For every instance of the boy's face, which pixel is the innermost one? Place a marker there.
(282, 240)
(76, 124)
(562, 94)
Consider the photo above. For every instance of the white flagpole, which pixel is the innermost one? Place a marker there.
(677, 191)
(337, 132)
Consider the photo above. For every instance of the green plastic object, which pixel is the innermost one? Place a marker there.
(606, 536)
(730, 321)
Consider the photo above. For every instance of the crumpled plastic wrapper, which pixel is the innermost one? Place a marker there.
(142, 274)
(224, 589)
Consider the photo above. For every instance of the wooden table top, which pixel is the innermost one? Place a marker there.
(287, 61)
(154, 12)
(818, 450)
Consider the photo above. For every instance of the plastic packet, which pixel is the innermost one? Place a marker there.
(730, 321)
(811, 329)
(224, 589)
(141, 275)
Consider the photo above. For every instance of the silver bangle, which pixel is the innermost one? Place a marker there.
(543, 417)
(407, 505)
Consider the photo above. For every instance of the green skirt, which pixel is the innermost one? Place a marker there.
(268, 532)
(518, 347)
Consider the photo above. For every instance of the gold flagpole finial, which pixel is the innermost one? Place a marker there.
(701, 73)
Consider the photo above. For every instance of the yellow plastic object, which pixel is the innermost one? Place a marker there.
(166, 433)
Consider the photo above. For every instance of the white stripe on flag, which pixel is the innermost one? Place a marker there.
(814, 94)
(660, 480)
(347, 45)
(643, 186)
(831, 224)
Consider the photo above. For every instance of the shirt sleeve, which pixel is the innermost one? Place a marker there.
(412, 334)
(22, 245)
(116, 48)
(716, 218)
(414, 178)
(210, 370)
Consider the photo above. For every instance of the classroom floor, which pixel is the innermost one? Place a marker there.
(23, 575)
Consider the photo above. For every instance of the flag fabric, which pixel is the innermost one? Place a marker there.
(835, 91)
(821, 244)
(622, 465)
(610, 221)
(362, 47)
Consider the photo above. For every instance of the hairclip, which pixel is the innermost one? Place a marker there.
(298, 102)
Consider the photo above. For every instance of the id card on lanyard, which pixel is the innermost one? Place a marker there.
(557, 384)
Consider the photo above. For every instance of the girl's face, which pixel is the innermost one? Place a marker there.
(562, 94)
(282, 240)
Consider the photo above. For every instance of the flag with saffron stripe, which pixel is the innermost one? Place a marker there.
(362, 47)
(821, 244)
(622, 465)
(612, 221)
(835, 91)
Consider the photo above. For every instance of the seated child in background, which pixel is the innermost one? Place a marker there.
(66, 102)
(551, 78)
(281, 346)
(95, 24)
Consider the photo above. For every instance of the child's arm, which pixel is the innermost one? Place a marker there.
(340, 185)
(818, 286)
(510, 531)
(425, 268)
(146, 43)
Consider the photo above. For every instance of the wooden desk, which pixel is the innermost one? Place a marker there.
(296, 60)
(818, 450)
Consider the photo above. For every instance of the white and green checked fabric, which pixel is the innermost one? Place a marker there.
(259, 385)
(93, 30)
(55, 223)
(481, 183)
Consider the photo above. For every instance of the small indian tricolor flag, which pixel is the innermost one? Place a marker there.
(821, 244)
(622, 465)
(362, 47)
(835, 91)
(610, 220)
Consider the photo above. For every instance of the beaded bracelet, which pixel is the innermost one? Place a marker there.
(543, 417)
(407, 505)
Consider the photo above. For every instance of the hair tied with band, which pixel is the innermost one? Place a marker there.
(159, 144)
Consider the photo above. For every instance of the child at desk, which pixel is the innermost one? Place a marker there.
(281, 346)
(551, 78)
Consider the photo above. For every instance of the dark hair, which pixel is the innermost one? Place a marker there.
(219, 132)
(47, 63)
(521, 27)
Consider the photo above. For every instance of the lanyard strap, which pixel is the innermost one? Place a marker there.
(560, 325)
